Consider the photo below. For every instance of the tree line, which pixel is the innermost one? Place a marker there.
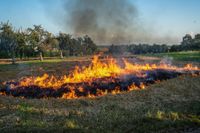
(188, 43)
(38, 42)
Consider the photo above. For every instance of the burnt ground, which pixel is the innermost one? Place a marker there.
(169, 106)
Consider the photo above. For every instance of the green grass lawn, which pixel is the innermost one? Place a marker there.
(180, 56)
(169, 106)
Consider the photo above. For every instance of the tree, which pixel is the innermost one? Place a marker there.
(89, 44)
(196, 42)
(187, 39)
(21, 38)
(8, 40)
(190, 44)
(64, 42)
(37, 41)
(197, 37)
(175, 48)
(37, 36)
(81, 47)
(51, 43)
(187, 42)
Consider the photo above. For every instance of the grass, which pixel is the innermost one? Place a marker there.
(35, 68)
(180, 56)
(169, 106)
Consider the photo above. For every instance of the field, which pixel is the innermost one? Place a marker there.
(169, 106)
(181, 56)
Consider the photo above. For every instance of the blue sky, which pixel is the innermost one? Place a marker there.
(165, 18)
(176, 17)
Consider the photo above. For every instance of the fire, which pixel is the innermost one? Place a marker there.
(71, 95)
(98, 72)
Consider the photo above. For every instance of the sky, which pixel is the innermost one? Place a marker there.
(168, 20)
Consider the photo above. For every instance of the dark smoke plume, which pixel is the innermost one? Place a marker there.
(107, 21)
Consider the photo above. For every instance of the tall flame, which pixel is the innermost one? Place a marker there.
(96, 70)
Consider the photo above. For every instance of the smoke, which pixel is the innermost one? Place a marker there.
(106, 21)
(167, 61)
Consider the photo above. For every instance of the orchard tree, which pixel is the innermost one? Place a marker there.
(8, 41)
(89, 44)
(64, 42)
(37, 37)
(197, 39)
(51, 42)
(21, 38)
(187, 42)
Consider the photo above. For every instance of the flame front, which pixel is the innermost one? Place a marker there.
(97, 70)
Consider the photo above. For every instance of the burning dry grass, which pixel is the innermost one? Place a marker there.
(97, 79)
(168, 106)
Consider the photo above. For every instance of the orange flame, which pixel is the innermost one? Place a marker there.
(96, 70)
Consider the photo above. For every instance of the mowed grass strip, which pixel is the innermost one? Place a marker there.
(180, 56)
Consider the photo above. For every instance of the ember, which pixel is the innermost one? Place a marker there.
(99, 78)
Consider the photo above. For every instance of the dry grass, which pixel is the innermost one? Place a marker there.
(169, 106)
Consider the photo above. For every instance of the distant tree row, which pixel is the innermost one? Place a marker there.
(138, 49)
(37, 42)
(188, 43)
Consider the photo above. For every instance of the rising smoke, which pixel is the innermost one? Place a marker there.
(107, 22)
